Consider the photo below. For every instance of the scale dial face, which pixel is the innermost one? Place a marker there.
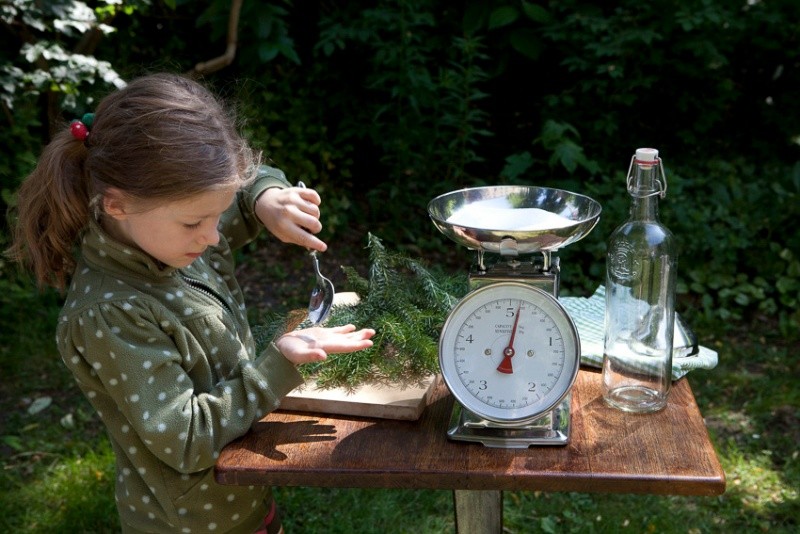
(509, 352)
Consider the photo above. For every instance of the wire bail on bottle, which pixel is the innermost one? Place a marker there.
(661, 181)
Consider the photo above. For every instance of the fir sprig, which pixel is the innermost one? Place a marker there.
(405, 302)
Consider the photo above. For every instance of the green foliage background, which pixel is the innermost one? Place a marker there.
(383, 106)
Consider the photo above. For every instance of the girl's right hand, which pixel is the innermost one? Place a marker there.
(316, 343)
(292, 215)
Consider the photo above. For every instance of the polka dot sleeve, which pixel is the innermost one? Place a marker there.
(239, 224)
(182, 389)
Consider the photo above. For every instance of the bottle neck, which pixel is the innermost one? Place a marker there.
(644, 190)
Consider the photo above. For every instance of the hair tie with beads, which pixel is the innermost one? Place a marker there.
(80, 128)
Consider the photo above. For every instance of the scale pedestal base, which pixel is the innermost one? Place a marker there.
(552, 428)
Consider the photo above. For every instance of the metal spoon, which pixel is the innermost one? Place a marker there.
(319, 305)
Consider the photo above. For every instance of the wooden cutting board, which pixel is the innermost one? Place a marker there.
(383, 401)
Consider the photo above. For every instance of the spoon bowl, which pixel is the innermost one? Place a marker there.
(321, 300)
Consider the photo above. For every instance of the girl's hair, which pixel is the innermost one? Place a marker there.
(161, 138)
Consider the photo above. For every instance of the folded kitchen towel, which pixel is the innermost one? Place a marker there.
(589, 317)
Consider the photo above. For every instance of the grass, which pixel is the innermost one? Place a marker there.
(57, 465)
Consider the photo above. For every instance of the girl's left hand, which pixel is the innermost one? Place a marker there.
(292, 215)
(314, 344)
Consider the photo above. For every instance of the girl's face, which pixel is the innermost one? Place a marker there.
(174, 233)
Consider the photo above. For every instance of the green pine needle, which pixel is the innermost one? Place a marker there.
(405, 302)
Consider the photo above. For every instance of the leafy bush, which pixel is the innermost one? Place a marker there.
(383, 107)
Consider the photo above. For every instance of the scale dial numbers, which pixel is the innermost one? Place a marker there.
(505, 372)
(509, 352)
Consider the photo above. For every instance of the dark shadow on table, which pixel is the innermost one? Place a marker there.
(273, 434)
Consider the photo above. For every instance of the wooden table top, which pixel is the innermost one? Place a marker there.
(668, 452)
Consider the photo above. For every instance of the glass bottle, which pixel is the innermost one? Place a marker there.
(640, 296)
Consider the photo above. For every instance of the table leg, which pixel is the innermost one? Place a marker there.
(478, 511)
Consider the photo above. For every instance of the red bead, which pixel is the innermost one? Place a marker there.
(79, 130)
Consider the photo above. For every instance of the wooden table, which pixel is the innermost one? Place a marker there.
(667, 453)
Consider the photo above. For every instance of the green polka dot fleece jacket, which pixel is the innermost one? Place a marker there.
(167, 358)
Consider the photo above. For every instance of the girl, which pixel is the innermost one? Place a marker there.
(156, 193)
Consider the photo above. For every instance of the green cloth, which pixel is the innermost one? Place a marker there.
(589, 317)
(167, 359)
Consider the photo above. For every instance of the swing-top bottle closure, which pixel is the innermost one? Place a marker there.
(646, 158)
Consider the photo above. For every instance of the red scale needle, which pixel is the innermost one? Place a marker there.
(508, 352)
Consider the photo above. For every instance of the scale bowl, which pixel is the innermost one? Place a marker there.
(513, 220)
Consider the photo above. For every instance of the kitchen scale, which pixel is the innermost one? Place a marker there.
(509, 352)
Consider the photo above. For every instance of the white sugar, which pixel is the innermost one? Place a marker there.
(498, 214)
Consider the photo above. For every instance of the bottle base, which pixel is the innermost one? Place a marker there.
(635, 399)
